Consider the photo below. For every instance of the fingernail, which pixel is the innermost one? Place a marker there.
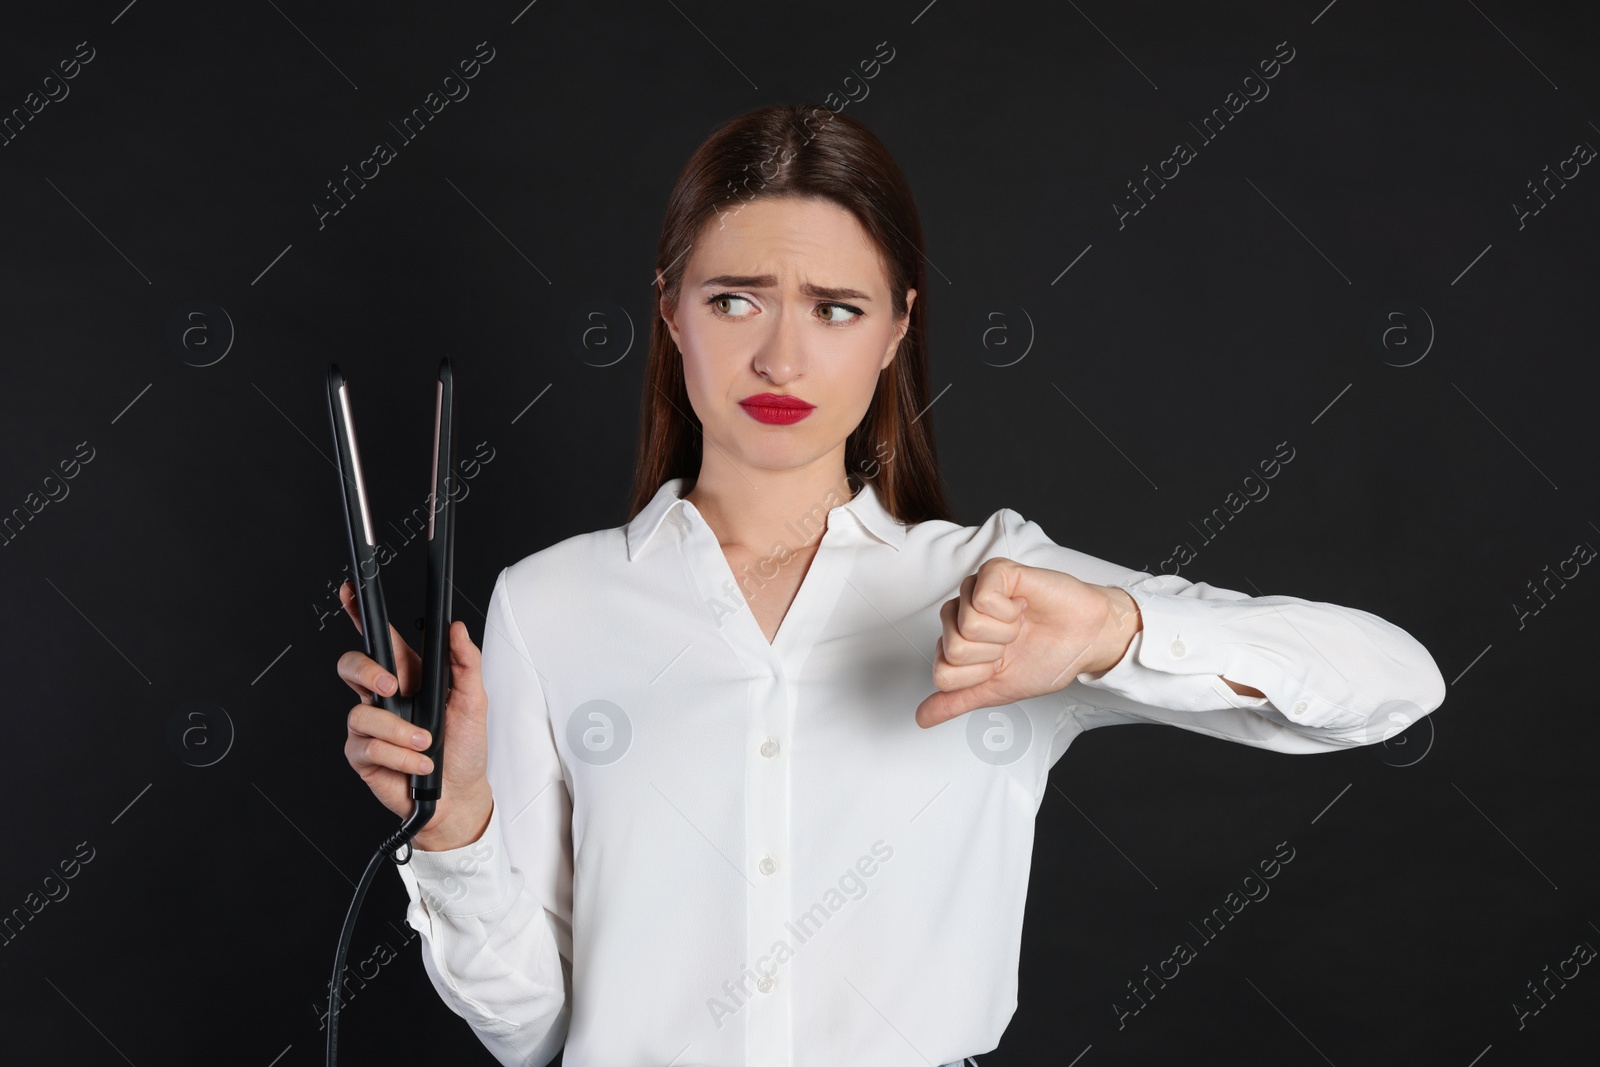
(427, 764)
(418, 739)
(385, 685)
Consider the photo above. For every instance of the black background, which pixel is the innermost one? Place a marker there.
(1243, 307)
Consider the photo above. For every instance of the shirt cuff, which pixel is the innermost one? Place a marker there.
(463, 882)
(1187, 645)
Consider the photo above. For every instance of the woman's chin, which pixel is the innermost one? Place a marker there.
(775, 453)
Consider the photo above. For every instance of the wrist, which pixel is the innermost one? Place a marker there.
(463, 825)
(1122, 621)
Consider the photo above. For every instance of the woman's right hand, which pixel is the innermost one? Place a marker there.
(385, 749)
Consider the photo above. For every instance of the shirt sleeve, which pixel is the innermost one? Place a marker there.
(1333, 676)
(495, 916)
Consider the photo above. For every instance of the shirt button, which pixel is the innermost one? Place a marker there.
(769, 748)
(1300, 708)
(767, 865)
(765, 983)
(1178, 648)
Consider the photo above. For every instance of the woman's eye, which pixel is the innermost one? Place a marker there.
(724, 303)
(836, 313)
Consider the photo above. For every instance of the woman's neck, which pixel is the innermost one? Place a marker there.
(758, 510)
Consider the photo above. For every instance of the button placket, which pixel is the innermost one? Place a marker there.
(763, 1005)
(769, 716)
(767, 849)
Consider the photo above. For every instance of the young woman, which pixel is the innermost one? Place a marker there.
(751, 779)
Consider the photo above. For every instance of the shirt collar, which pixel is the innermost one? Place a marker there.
(865, 507)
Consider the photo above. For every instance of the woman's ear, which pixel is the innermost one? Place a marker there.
(900, 330)
(668, 311)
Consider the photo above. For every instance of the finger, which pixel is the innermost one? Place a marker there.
(362, 673)
(948, 676)
(955, 646)
(407, 664)
(360, 690)
(972, 634)
(347, 597)
(466, 667)
(953, 679)
(367, 752)
(360, 677)
(941, 707)
(989, 611)
(365, 720)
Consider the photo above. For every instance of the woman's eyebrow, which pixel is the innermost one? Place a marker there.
(767, 281)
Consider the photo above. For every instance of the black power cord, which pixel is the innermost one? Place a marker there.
(417, 820)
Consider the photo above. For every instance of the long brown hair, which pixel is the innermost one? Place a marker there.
(800, 151)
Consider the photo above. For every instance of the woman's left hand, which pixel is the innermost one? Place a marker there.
(1017, 631)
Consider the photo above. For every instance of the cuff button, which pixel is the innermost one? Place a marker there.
(1300, 707)
(1178, 648)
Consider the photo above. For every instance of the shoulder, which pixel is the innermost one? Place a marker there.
(564, 590)
(574, 561)
(937, 546)
(995, 535)
(1007, 533)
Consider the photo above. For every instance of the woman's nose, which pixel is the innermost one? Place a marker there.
(780, 356)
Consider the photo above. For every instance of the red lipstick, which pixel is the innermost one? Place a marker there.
(776, 408)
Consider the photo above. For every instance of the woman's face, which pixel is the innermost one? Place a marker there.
(783, 296)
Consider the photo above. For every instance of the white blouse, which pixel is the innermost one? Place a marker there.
(706, 849)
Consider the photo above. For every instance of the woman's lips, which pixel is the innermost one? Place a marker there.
(776, 408)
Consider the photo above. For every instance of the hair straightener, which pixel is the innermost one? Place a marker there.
(425, 707)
